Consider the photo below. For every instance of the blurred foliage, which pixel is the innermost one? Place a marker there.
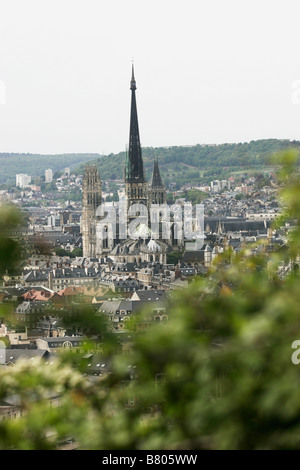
(217, 375)
(10, 248)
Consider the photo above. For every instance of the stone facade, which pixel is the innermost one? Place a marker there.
(91, 200)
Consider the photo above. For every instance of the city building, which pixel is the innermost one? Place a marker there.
(23, 180)
(48, 176)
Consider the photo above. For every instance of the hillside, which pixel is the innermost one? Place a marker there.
(35, 164)
(178, 165)
(199, 163)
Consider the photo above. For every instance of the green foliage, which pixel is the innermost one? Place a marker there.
(62, 252)
(41, 426)
(71, 254)
(173, 257)
(48, 187)
(217, 375)
(10, 249)
(77, 252)
(195, 196)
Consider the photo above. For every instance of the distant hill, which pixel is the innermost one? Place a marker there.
(198, 163)
(35, 164)
(178, 165)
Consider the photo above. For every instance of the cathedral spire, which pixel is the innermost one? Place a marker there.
(133, 82)
(134, 169)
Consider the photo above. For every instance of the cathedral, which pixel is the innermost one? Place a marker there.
(123, 233)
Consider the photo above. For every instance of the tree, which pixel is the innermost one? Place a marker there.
(10, 248)
(61, 252)
(77, 252)
(173, 257)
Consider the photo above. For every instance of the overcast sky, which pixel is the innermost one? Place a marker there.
(209, 71)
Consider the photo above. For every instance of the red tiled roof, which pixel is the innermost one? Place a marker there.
(38, 295)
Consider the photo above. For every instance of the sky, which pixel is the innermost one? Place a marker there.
(207, 72)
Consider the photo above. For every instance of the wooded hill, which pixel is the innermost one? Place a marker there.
(199, 163)
(179, 165)
(36, 164)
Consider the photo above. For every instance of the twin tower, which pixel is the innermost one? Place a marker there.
(137, 191)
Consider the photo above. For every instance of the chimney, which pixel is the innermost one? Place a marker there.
(50, 280)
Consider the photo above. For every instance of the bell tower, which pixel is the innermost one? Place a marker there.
(91, 200)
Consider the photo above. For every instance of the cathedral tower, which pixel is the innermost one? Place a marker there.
(136, 188)
(91, 199)
(157, 192)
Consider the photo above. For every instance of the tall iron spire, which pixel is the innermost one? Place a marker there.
(133, 82)
(134, 169)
